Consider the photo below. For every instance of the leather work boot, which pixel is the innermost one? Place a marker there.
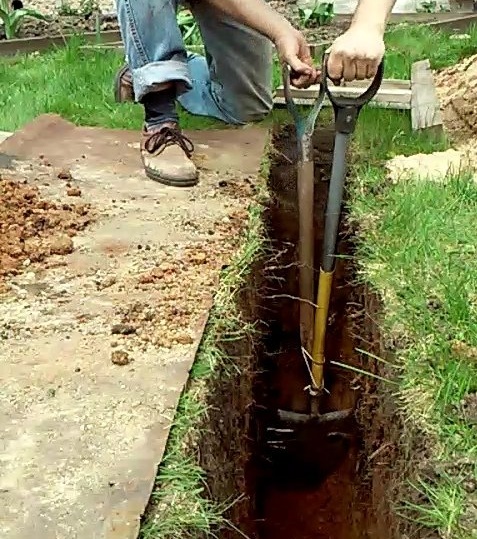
(123, 85)
(166, 154)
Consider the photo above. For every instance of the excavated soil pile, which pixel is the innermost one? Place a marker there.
(457, 91)
(32, 229)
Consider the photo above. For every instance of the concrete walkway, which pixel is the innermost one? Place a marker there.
(96, 346)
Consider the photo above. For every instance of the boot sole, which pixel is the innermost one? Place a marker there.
(152, 175)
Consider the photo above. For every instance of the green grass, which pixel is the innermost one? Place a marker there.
(409, 43)
(417, 250)
(77, 84)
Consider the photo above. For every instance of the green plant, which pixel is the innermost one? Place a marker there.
(320, 14)
(431, 6)
(11, 19)
(86, 7)
(65, 9)
(189, 28)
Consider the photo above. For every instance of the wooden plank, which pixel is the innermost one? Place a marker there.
(392, 95)
(11, 47)
(387, 84)
(461, 23)
(425, 106)
(280, 101)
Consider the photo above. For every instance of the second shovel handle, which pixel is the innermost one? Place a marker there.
(358, 101)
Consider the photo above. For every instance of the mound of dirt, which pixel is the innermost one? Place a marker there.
(32, 229)
(457, 91)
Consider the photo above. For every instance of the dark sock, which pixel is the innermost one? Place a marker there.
(160, 107)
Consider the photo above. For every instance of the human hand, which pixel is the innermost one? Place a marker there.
(356, 54)
(294, 50)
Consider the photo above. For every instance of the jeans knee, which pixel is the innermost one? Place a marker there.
(256, 110)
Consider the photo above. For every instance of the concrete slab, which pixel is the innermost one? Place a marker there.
(96, 346)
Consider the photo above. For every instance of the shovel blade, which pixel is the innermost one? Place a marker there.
(303, 450)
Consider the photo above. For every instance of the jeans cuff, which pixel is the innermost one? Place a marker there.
(146, 78)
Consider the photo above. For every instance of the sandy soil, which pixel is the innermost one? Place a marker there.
(457, 91)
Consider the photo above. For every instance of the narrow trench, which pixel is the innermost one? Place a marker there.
(315, 492)
(338, 490)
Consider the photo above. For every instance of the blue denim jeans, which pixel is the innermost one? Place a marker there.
(233, 82)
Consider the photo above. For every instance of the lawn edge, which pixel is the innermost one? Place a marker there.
(429, 497)
(190, 512)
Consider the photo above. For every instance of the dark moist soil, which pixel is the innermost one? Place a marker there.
(74, 24)
(227, 450)
(338, 491)
(64, 24)
(334, 490)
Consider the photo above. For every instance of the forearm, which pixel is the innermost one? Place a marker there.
(373, 14)
(255, 14)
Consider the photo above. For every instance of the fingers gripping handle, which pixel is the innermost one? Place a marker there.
(304, 125)
(347, 109)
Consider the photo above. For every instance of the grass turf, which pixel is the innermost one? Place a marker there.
(416, 248)
(427, 275)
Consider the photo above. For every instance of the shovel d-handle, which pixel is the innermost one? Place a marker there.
(347, 109)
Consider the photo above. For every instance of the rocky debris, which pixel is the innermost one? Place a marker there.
(64, 174)
(32, 229)
(120, 357)
(73, 192)
(181, 284)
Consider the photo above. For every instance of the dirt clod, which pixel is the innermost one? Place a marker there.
(73, 192)
(462, 349)
(32, 229)
(123, 329)
(469, 408)
(61, 245)
(64, 174)
(120, 357)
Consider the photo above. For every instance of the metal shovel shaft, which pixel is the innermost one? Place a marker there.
(305, 187)
(335, 200)
(332, 221)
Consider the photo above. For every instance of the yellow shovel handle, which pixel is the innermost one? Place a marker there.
(321, 320)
